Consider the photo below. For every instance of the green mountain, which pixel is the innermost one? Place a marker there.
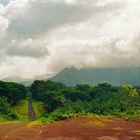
(92, 76)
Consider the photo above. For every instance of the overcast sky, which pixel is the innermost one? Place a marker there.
(39, 38)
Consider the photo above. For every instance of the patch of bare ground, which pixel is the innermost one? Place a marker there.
(76, 128)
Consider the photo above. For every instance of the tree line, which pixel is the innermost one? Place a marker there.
(10, 95)
(60, 101)
(103, 99)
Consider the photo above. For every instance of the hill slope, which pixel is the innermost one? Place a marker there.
(115, 76)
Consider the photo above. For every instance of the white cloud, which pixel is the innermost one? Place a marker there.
(3, 22)
(35, 18)
(29, 47)
(39, 38)
(18, 68)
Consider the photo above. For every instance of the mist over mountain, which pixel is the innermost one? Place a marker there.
(115, 76)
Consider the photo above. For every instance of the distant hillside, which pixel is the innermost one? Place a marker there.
(26, 83)
(115, 76)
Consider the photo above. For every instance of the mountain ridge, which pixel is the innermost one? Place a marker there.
(93, 76)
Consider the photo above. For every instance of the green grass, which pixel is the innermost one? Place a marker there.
(2, 119)
(22, 109)
(38, 108)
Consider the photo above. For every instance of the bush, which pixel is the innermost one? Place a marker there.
(4, 106)
(57, 115)
(78, 106)
(13, 116)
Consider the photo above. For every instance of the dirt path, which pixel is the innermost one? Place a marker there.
(77, 128)
(10, 131)
(31, 112)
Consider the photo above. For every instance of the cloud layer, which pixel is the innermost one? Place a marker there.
(40, 38)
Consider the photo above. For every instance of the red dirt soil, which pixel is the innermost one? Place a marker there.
(76, 128)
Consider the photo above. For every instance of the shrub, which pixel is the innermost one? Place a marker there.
(4, 106)
(57, 115)
(13, 116)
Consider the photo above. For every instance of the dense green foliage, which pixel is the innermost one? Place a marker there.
(4, 105)
(55, 101)
(13, 91)
(10, 95)
(104, 99)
